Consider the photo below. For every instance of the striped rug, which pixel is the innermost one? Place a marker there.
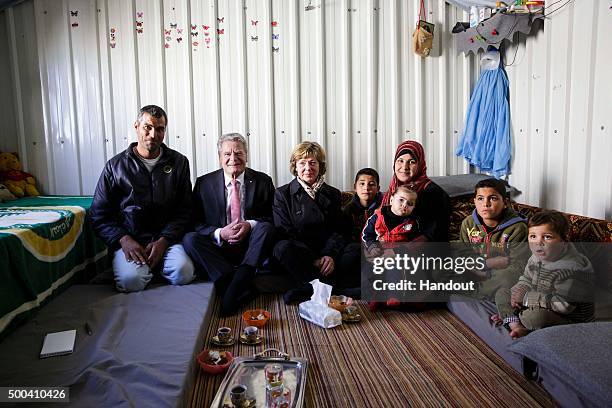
(389, 359)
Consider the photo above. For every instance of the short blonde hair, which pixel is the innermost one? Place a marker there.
(406, 190)
(308, 149)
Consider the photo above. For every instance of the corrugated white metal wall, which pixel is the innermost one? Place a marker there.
(342, 74)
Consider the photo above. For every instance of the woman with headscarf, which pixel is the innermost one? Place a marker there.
(309, 223)
(433, 204)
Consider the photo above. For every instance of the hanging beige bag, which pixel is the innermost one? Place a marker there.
(422, 38)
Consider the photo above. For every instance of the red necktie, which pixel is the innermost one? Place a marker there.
(235, 201)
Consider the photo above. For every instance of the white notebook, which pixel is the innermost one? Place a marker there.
(57, 344)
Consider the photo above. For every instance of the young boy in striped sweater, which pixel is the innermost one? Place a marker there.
(555, 287)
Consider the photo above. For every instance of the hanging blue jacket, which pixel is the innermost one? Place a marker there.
(485, 141)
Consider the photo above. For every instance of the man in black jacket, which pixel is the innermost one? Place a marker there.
(142, 206)
(233, 215)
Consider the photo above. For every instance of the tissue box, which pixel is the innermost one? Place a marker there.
(319, 314)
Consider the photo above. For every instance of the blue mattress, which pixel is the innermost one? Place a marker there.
(141, 352)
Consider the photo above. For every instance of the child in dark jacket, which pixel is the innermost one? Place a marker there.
(366, 199)
(495, 229)
(556, 286)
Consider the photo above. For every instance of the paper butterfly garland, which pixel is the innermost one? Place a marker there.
(73, 21)
(112, 41)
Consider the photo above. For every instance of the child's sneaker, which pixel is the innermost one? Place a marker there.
(393, 303)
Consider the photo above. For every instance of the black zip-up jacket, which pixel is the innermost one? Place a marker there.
(316, 223)
(147, 206)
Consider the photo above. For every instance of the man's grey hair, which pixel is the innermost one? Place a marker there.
(232, 137)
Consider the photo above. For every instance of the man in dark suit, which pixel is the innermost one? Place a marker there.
(233, 235)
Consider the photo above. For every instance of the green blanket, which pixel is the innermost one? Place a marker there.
(46, 244)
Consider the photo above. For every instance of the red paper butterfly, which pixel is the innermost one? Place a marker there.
(167, 32)
(139, 30)
(139, 24)
(166, 45)
(75, 24)
(205, 27)
(221, 31)
(220, 20)
(139, 14)
(193, 27)
(178, 40)
(254, 22)
(274, 23)
(112, 45)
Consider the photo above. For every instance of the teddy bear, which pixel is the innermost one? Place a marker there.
(5, 194)
(18, 182)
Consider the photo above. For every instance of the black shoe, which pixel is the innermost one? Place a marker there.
(299, 294)
(238, 291)
(231, 304)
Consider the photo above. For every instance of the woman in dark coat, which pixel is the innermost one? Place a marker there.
(308, 218)
(433, 204)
